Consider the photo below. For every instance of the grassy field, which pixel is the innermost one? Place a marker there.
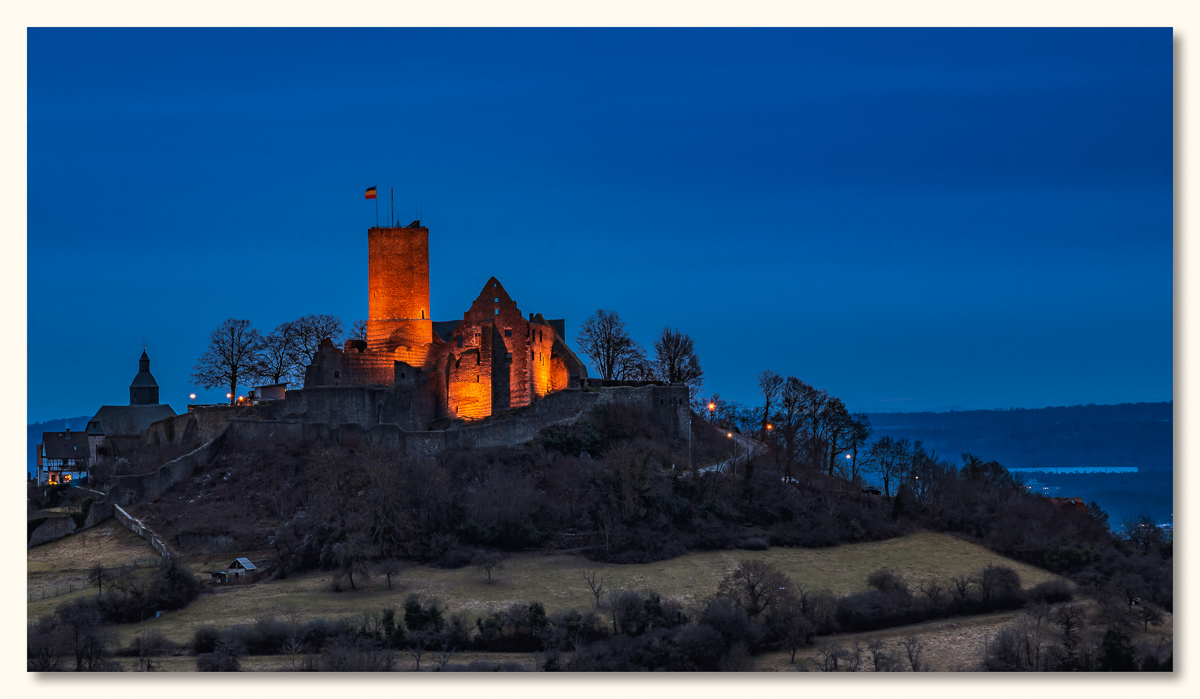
(68, 560)
(557, 581)
(951, 645)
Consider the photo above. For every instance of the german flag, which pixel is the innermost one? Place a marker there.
(370, 193)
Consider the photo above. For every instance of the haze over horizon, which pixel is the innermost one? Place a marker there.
(911, 219)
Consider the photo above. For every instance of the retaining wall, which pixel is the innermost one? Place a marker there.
(125, 490)
(136, 526)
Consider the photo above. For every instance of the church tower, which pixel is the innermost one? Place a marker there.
(398, 287)
(144, 389)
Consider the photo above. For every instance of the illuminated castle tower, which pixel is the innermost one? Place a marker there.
(398, 285)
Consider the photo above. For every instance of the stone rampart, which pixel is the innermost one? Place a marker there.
(124, 490)
(666, 405)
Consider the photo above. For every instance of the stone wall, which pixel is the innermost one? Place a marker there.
(52, 529)
(666, 405)
(123, 490)
(136, 526)
(192, 428)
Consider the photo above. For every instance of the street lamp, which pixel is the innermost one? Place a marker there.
(193, 397)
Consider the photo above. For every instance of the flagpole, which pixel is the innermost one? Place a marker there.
(393, 191)
(377, 212)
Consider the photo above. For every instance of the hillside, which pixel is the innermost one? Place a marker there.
(557, 581)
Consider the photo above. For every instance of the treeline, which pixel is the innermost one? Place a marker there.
(238, 354)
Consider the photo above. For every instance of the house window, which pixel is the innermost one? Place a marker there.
(497, 311)
(508, 333)
(460, 340)
(337, 374)
(402, 375)
(496, 300)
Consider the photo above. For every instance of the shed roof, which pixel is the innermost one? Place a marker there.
(244, 563)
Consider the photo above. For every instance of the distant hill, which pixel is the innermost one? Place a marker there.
(1129, 434)
(34, 434)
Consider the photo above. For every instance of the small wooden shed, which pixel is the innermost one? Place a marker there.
(240, 568)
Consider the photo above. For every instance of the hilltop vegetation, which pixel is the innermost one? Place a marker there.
(615, 490)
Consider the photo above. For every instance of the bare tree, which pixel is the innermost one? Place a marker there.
(595, 581)
(98, 576)
(418, 644)
(769, 385)
(856, 438)
(882, 659)
(445, 654)
(888, 456)
(933, 588)
(836, 425)
(294, 641)
(351, 557)
(831, 655)
(633, 365)
(486, 560)
(754, 586)
(310, 330)
(278, 356)
(913, 648)
(389, 568)
(677, 361)
(358, 331)
(789, 420)
(603, 338)
(812, 409)
(232, 355)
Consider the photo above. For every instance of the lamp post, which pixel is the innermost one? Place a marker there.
(193, 397)
(712, 407)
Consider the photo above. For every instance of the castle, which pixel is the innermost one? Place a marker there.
(492, 360)
(415, 384)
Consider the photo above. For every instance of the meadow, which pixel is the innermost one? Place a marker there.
(555, 580)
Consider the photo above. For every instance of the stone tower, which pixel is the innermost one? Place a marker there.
(144, 389)
(398, 286)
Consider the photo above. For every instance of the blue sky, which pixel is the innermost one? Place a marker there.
(908, 218)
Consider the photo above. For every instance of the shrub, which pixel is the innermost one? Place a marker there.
(205, 640)
(355, 655)
(886, 580)
(226, 657)
(1051, 592)
(458, 557)
(754, 544)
